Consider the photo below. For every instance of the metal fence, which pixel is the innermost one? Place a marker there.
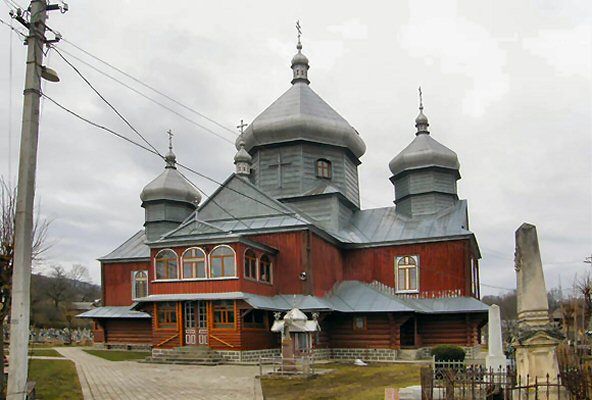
(454, 380)
(286, 366)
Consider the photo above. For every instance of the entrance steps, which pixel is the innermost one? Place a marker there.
(191, 355)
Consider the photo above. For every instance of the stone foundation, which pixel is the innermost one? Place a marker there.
(123, 346)
(247, 356)
(364, 354)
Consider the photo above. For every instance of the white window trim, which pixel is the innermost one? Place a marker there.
(417, 274)
(182, 267)
(134, 273)
(154, 267)
(235, 276)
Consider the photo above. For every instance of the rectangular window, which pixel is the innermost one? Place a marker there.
(223, 311)
(407, 273)
(359, 323)
(265, 269)
(254, 319)
(167, 314)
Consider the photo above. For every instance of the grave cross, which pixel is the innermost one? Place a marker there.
(279, 164)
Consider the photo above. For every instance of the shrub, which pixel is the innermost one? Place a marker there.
(448, 353)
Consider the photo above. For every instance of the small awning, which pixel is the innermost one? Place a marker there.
(114, 312)
(297, 326)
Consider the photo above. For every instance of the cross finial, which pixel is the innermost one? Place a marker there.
(299, 30)
(420, 99)
(170, 133)
(242, 126)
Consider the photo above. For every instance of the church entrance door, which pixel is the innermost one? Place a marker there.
(195, 323)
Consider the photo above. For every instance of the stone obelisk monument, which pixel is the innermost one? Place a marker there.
(536, 340)
(496, 360)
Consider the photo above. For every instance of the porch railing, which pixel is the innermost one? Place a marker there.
(221, 341)
(176, 335)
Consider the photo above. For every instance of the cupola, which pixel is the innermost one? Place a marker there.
(169, 199)
(424, 173)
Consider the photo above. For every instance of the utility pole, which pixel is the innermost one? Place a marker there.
(23, 226)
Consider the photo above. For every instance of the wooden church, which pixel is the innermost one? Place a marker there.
(286, 231)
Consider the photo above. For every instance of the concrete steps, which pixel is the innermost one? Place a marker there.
(189, 355)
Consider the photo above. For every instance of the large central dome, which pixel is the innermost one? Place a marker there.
(301, 114)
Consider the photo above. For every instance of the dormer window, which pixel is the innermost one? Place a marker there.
(324, 169)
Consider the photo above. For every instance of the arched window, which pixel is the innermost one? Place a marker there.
(265, 269)
(222, 262)
(324, 169)
(165, 264)
(139, 284)
(194, 263)
(250, 264)
(407, 273)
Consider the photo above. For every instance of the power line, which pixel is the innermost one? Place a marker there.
(111, 131)
(148, 86)
(148, 97)
(9, 119)
(107, 101)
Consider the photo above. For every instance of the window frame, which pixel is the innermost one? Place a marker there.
(254, 325)
(256, 259)
(270, 265)
(324, 168)
(156, 278)
(134, 283)
(171, 311)
(228, 309)
(205, 261)
(211, 276)
(416, 259)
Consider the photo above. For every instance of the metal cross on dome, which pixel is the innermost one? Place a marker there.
(299, 29)
(170, 133)
(420, 99)
(242, 126)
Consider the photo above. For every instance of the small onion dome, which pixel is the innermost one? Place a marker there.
(171, 185)
(423, 151)
(299, 58)
(242, 155)
(295, 315)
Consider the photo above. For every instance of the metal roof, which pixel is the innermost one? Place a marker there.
(133, 248)
(114, 312)
(347, 296)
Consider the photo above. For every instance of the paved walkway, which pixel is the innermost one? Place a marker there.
(129, 380)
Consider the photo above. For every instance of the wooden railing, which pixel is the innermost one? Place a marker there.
(176, 335)
(221, 341)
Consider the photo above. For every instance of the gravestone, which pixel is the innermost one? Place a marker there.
(536, 339)
(496, 359)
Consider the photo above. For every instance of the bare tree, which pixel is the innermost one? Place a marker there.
(40, 245)
(59, 288)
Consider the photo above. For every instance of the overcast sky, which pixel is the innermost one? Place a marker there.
(507, 85)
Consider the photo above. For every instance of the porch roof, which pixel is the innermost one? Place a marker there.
(114, 312)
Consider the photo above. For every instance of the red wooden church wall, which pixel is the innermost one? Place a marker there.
(116, 281)
(443, 265)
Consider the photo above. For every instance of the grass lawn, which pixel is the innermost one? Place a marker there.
(114, 355)
(55, 379)
(345, 382)
(44, 352)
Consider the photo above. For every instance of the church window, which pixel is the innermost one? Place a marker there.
(254, 319)
(194, 263)
(166, 264)
(265, 269)
(407, 273)
(167, 314)
(223, 311)
(324, 169)
(222, 262)
(359, 323)
(250, 264)
(139, 284)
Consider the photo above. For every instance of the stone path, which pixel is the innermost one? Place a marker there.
(129, 380)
